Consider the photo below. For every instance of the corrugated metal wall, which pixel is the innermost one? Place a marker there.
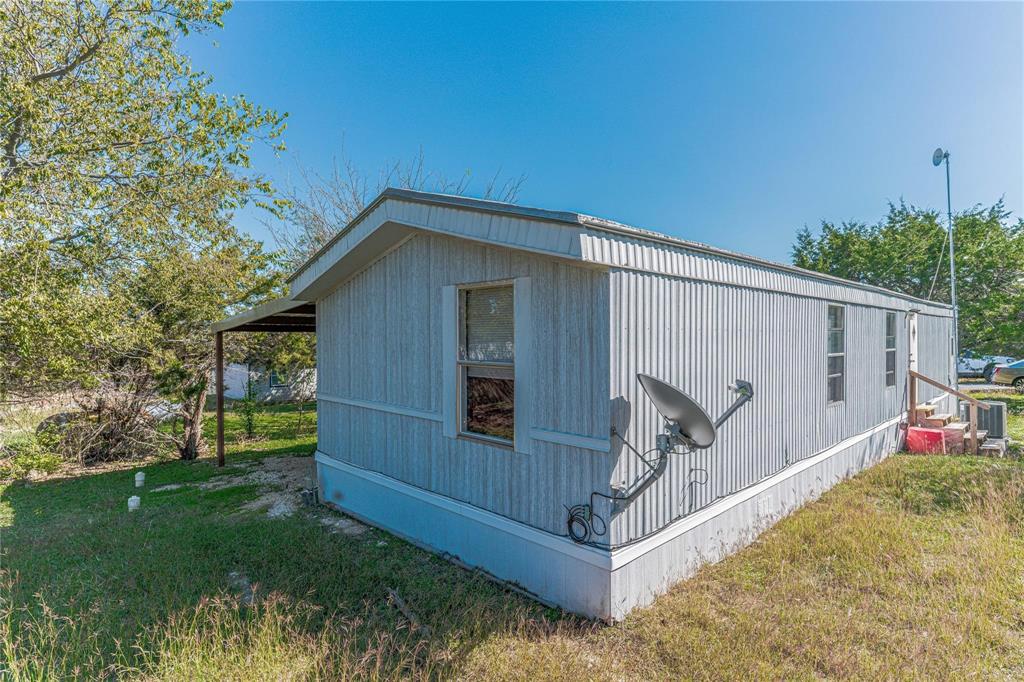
(654, 256)
(379, 342)
(935, 353)
(701, 336)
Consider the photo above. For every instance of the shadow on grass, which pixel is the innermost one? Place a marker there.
(71, 550)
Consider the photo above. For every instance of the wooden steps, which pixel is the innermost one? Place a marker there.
(995, 447)
(927, 431)
(934, 421)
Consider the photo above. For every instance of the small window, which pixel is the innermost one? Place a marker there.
(836, 353)
(486, 362)
(279, 378)
(890, 348)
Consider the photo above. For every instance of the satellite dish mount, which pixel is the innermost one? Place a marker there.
(687, 427)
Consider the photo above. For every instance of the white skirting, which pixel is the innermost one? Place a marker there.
(596, 583)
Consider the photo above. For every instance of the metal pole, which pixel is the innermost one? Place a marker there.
(952, 279)
(220, 398)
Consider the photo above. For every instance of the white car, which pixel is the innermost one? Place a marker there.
(973, 365)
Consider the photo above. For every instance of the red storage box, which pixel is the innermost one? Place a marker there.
(920, 439)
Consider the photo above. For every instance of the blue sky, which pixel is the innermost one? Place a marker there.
(731, 124)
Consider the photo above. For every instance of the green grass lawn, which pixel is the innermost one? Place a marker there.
(280, 429)
(911, 570)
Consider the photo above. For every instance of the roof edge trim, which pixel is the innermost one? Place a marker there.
(595, 223)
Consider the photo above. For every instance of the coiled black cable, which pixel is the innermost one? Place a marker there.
(583, 523)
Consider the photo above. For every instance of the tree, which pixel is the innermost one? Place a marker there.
(906, 252)
(320, 206)
(113, 151)
(119, 174)
(292, 355)
(177, 294)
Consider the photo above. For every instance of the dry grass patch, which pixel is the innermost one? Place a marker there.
(913, 569)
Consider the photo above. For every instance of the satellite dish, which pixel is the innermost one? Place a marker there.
(680, 410)
(938, 156)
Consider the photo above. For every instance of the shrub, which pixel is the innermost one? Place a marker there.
(31, 452)
(249, 407)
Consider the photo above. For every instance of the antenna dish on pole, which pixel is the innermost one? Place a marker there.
(938, 156)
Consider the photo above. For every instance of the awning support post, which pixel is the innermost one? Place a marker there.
(220, 398)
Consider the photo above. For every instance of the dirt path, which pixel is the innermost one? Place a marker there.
(281, 481)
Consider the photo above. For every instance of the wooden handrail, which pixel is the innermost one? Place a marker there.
(951, 390)
(973, 409)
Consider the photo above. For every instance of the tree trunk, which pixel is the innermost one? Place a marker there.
(192, 428)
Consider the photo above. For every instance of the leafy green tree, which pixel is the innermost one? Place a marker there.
(176, 295)
(120, 170)
(907, 252)
(249, 406)
(113, 152)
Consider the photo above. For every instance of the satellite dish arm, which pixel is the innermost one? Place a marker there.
(652, 476)
(746, 392)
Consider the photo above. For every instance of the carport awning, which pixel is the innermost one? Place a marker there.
(280, 315)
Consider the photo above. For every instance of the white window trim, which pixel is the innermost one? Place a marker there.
(842, 354)
(522, 298)
(451, 392)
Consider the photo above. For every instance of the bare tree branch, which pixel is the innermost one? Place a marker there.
(318, 207)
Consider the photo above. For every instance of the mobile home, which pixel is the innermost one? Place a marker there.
(268, 385)
(478, 395)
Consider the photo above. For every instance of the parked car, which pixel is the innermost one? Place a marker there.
(973, 365)
(1011, 375)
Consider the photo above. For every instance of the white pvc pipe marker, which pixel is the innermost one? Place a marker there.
(140, 479)
(133, 502)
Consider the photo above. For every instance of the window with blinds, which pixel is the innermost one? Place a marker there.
(836, 353)
(486, 362)
(890, 348)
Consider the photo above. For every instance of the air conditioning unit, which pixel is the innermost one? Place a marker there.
(992, 420)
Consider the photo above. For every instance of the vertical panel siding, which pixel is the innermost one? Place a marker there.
(936, 353)
(380, 341)
(701, 336)
(648, 254)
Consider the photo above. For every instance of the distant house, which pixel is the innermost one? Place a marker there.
(269, 385)
(478, 389)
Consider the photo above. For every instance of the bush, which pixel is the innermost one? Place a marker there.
(33, 452)
(249, 407)
(111, 427)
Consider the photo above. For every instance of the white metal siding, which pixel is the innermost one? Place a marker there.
(676, 260)
(935, 352)
(701, 336)
(379, 343)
